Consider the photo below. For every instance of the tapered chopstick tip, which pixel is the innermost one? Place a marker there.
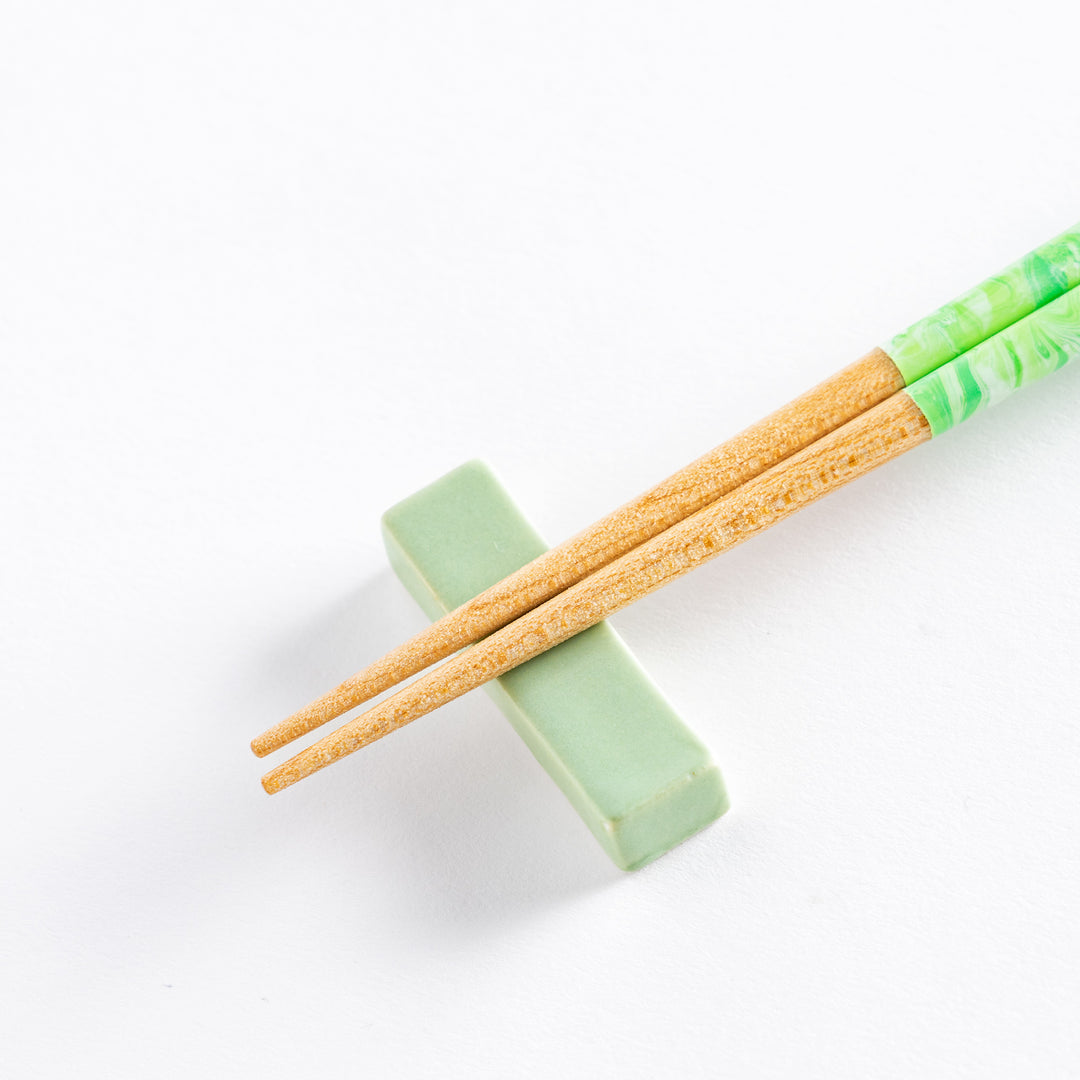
(272, 782)
(262, 745)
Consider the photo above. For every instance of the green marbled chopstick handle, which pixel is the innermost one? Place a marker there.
(1038, 278)
(1036, 345)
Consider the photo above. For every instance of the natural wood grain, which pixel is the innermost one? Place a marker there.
(821, 410)
(870, 440)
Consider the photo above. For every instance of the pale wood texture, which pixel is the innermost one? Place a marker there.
(870, 440)
(834, 402)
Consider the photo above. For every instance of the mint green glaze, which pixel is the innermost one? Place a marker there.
(1036, 279)
(638, 777)
(1035, 346)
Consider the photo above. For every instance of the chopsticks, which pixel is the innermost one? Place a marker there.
(846, 426)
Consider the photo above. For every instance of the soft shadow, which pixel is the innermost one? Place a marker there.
(444, 836)
(295, 664)
(472, 828)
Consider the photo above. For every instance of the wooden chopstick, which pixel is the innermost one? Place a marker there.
(1022, 288)
(877, 436)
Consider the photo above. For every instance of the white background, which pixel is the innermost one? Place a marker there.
(265, 268)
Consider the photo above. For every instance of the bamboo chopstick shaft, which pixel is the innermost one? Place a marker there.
(872, 439)
(793, 427)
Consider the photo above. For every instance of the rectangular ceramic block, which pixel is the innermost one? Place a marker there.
(638, 777)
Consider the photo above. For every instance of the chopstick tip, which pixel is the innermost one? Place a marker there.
(271, 784)
(261, 745)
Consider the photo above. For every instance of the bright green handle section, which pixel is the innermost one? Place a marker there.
(1039, 277)
(1035, 346)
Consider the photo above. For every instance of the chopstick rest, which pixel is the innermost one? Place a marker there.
(635, 773)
